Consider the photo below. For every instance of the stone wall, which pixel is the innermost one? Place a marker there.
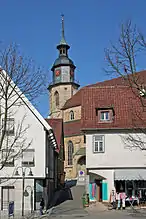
(77, 113)
(65, 93)
(78, 142)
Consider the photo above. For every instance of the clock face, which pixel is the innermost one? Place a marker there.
(57, 73)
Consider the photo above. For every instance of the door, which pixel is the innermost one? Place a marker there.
(7, 196)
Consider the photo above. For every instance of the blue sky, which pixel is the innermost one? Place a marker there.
(89, 26)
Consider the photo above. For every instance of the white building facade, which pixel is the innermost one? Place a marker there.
(26, 178)
(113, 122)
(113, 165)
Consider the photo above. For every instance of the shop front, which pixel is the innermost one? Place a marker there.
(132, 182)
(98, 188)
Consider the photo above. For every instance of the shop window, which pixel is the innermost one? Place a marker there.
(98, 144)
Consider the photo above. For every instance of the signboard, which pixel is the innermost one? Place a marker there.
(81, 173)
(11, 209)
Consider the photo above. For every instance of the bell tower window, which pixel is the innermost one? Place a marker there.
(56, 96)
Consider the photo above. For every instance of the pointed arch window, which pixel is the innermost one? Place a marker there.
(70, 152)
(56, 95)
(71, 115)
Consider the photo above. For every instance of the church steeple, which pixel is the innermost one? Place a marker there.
(63, 46)
(63, 67)
(63, 85)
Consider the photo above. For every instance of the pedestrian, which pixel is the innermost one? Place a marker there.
(119, 200)
(113, 199)
(42, 205)
(123, 198)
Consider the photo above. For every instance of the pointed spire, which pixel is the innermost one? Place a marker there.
(63, 41)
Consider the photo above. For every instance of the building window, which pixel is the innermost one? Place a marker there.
(70, 153)
(98, 143)
(56, 95)
(28, 158)
(8, 157)
(63, 51)
(104, 116)
(71, 115)
(10, 126)
(84, 139)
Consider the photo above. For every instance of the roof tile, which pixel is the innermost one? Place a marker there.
(57, 126)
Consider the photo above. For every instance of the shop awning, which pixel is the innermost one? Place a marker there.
(130, 174)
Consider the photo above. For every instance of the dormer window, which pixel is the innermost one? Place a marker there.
(104, 116)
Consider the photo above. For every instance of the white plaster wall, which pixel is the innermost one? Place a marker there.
(109, 177)
(18, 193)
(34, 133)
(116, 154)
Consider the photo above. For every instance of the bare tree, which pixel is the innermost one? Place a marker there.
(20, 80)
(123, 59)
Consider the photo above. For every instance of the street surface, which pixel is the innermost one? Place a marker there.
(73, 209)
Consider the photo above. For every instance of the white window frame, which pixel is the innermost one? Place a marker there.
(27, 163)
(96, 143)
(6, 153)
(104, 113)
(9, 130)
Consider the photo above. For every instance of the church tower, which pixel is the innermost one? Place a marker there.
(63, 85)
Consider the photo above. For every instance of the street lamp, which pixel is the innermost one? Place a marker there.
(23, 178)
(31, 196)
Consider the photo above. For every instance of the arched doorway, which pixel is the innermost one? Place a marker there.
(81, 166)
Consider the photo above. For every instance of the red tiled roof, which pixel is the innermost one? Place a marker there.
(126, 105)
(72, 128)
(57, 126)
(140, 76)
(76, 99)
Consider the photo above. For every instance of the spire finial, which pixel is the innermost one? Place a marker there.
(63, 41)
(62, 18)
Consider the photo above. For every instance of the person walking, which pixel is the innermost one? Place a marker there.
(118, 198)
(42, 205)
(113, 199)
